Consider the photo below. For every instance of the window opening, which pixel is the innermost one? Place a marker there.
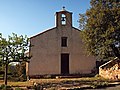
(64, 41)
(63, 19)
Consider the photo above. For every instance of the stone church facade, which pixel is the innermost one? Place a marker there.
(59, 50)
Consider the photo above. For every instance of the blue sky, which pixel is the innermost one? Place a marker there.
(30, 17)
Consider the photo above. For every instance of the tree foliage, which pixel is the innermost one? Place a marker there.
(101, 28)
(13, 49)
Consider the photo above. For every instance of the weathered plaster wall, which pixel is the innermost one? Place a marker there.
(46, 53)
(46, 50)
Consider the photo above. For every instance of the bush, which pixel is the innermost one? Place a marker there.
(4, 87)
(37, 87)
(97, 75)
(47, 76)
(18, 88)
(99, 84)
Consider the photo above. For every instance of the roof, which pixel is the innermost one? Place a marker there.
(64, 10)
(42, 32)
(49, 30)
(105, 64)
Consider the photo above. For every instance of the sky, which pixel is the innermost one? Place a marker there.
(30, 17)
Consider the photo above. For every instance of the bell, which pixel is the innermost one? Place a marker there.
(63, 19)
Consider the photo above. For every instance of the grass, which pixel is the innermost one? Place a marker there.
(93, 81)
(17, 84)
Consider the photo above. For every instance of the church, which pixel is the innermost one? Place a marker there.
(59, 50)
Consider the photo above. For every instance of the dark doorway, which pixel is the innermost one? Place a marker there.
(64, 63)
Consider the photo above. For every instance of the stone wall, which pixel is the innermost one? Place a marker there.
(111, 72)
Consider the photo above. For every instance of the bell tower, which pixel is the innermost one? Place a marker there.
(63, 18)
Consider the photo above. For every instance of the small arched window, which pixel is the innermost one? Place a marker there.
(63, 19)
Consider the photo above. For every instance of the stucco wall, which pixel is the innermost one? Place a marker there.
(46, 52)
(46, 49)
(80, 62)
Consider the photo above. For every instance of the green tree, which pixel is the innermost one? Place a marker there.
(101, 28)
(13, 49)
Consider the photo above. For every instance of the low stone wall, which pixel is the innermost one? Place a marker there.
(110, 73)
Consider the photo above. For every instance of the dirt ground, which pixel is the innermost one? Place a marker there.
(68, 83)
(108, 88)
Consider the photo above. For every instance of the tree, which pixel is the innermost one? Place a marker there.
(101, 28)
(13, 49)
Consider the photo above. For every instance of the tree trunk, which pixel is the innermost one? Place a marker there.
(6, 71)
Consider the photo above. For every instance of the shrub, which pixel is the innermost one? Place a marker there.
(99, 84)
(37, 87)
(97, 75)
(18, 88)
(47, 76)
(4, 87)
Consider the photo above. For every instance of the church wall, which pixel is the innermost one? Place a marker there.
(80, 62)
(46, 49)
(46, 52)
